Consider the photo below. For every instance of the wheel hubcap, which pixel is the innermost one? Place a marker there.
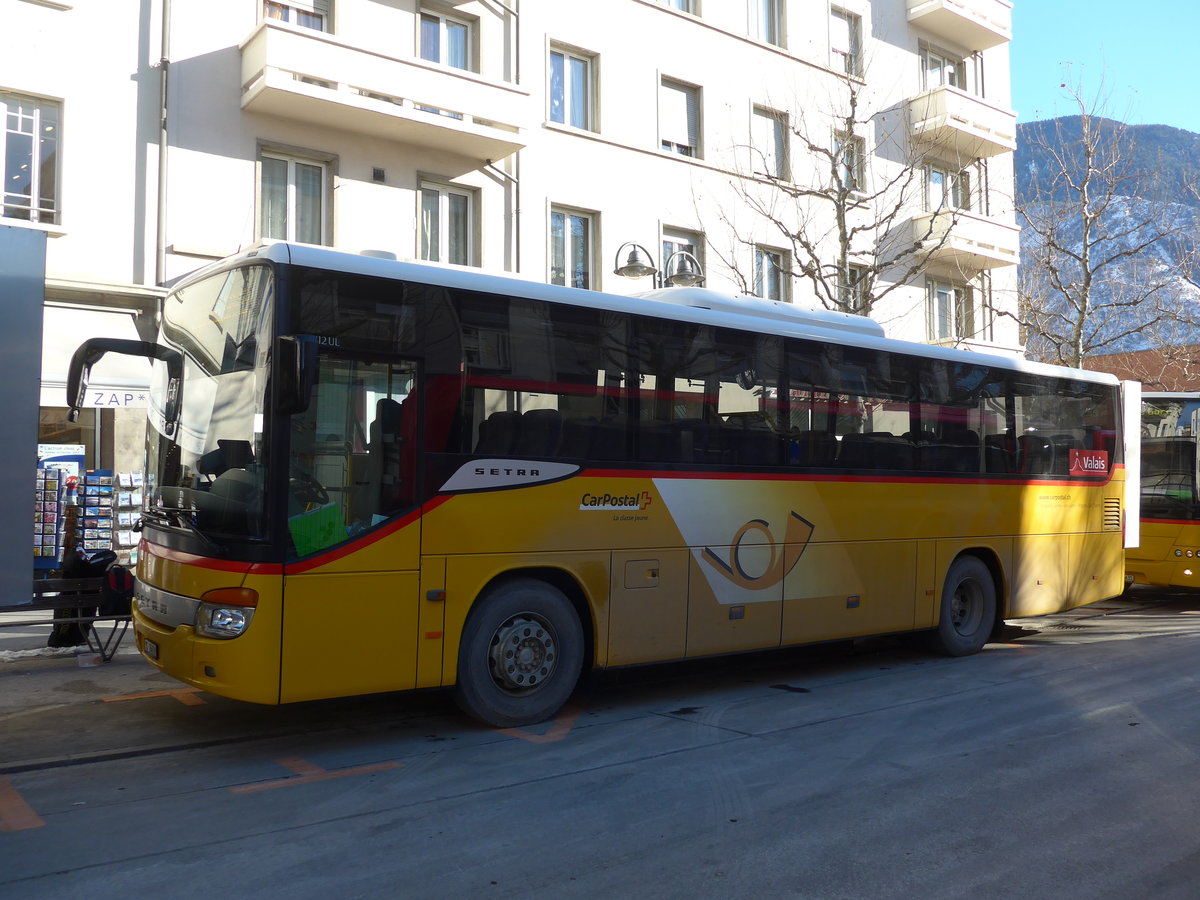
(966, 611)
(522, 653)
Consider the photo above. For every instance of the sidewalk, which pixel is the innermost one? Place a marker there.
(34, 676)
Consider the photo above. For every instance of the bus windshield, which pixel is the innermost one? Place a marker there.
(208, 476)
(1169, 431)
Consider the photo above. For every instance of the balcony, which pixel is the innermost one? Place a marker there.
(964, 243)
(308, 76)
(967, 126)
(971, 24)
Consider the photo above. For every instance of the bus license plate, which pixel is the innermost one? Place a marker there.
(150, 649)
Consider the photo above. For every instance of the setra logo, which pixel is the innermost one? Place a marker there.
(780, 561)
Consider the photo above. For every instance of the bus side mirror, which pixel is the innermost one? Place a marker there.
(295, 370)
(90, 352)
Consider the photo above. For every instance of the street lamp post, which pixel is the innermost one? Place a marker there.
(681, 269)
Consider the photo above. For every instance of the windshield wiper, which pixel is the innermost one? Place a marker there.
(181, 518)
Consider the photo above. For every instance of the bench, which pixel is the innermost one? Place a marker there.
(62, 594)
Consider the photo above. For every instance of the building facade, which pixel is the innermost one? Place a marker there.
(856, 152)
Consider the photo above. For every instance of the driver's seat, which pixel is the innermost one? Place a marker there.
(384, 462)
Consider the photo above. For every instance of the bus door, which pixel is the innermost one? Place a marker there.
(350, 593)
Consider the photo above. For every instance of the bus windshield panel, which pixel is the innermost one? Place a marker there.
(209, 476)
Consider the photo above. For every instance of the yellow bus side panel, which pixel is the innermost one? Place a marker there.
(431, 622)
(926, 585)
(746, 619)
(1040, 574)
(347, 634)
(1095, 577)
(648, 600)
(845, 590)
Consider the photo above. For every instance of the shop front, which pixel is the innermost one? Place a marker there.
(89, 471)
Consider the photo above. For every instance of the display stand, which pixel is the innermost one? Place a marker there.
(96, 500)
(49, 519)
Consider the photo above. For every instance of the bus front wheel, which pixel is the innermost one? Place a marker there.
(968, 608)
(520, 656)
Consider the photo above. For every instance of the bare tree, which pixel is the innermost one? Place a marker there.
(1106, 257)
(845, 215)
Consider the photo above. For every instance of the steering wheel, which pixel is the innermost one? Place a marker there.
(305, 489)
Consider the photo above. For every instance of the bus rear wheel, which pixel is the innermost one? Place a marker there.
(968, 610)
(520, 656)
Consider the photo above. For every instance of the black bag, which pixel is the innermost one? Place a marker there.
(77, 565)
(116, 595)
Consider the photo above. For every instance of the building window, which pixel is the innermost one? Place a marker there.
(939, 68)
(30, 158)
(677, 240)
(292, 199)
(770, 274)
(571, 248)
(766, 21)
(447, 40)
(848, 153)
(305, 13)
(447, 224)
(687, 6)
(946, 188)
(950, 311)
(769, 143)
(852, 287)
(845, 41)
(679, 118)
(571, 89)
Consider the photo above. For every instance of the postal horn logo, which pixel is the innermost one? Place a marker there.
(782, 559)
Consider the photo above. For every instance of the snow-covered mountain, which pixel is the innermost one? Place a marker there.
(1153, 199)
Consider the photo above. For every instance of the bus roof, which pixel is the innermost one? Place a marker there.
(698, 305)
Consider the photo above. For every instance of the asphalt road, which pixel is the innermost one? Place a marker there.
(1059, 763)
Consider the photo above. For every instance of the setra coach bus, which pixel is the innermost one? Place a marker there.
(366, 475)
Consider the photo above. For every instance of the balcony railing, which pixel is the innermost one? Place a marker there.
(968, 126)
(309, 76)
(966, 243)
(971, 24)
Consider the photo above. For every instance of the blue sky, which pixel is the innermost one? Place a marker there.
(1144, 57)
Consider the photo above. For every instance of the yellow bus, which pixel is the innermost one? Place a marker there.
(1169, 551)
(366, 475)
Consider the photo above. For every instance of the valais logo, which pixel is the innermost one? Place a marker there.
(1088, 462)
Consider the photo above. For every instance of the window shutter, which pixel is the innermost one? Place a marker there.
(679, 116)
(839, 34)
(770, 143)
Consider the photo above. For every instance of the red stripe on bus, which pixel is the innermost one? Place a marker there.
(804, 476)
(344, 550)
(204, 562)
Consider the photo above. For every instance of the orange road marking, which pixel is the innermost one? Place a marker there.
(186, 696)
(562, 725)
(307, 773)
(15, 813)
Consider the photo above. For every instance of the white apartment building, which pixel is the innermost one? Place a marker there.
(147, 138)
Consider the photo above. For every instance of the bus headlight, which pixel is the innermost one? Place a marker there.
(225, 613)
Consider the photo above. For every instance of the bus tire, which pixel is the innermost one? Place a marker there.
(520, 656)
(968, 610)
